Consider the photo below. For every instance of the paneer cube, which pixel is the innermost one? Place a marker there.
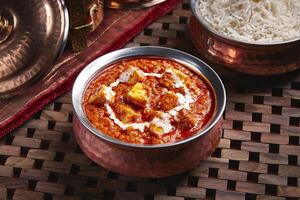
(156, 129)
(126, 114)
(168, 101)
(136, 77)
(167, 80)
(138, 95)
(193, 88)
(100, 96)
(180, 75)
(189, 120)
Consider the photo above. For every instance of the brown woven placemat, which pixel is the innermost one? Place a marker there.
(256, 159)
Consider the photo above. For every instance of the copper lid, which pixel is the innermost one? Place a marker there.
(32, 35)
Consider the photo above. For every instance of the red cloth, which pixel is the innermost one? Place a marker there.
(116, 30)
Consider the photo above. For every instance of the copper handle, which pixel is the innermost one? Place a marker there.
(94, 14)
(85, 16)
(5, 29)
(3, 23)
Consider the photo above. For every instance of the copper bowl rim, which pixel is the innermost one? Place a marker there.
(203, 22)
(93, 69)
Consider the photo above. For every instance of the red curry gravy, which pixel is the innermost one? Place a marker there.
(148, 101)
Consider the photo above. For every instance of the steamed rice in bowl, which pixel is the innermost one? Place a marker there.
(259, 21)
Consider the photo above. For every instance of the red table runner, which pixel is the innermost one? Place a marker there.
(116, 30)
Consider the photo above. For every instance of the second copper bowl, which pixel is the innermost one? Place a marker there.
(251, 58)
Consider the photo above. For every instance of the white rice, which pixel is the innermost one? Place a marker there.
(260, 21)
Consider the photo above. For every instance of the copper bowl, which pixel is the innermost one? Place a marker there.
(246, 57)
(147, 160)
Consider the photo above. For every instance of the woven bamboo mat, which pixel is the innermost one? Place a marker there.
(257, 158)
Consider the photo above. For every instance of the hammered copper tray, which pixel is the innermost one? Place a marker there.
(257, 158)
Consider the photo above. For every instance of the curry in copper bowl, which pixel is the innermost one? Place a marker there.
(136, 108)
(148, 101)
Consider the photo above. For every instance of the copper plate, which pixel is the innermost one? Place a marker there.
(131, 4)
(32, 35)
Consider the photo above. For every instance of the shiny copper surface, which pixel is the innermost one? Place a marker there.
(147, 160)
(6, 26)
(151, 162)
(131, 4)
(245, 57)
(38, 33)
(85, 17)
